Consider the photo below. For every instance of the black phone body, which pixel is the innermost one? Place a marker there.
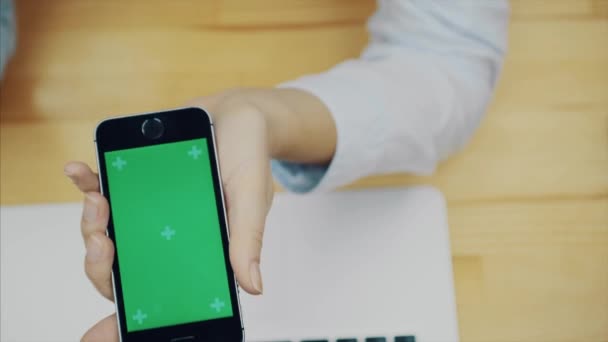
(171, 274)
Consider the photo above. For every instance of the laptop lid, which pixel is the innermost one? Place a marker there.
(351, 264)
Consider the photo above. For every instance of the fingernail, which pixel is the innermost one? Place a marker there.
(69, 170)
(89, 211)
(94, 249)
(256, 277)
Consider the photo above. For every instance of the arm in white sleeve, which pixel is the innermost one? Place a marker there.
(416, 94)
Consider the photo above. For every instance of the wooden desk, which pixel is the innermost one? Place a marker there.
(528, 198)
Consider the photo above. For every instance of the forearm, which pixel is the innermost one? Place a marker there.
(414, 97)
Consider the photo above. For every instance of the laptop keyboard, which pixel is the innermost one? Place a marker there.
(408, 338)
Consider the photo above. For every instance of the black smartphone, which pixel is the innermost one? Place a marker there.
(172, 276)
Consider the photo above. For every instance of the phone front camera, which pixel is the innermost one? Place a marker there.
(152, 128)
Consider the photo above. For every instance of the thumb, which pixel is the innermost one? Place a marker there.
(243, 157)
(248, 200)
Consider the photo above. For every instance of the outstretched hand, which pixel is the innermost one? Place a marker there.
(242, 144)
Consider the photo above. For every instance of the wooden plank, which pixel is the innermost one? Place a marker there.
(232, 14)
(553, 9)
(237, 13)
(531, 270)
(510, 227)
(43, 16)
(113, 72)
(557, 40)
(555, 293)
(578, 86)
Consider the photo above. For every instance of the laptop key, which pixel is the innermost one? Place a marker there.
(410, 338)
(346, 340)
(375, 339)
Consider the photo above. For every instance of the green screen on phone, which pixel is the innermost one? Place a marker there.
(168, 235)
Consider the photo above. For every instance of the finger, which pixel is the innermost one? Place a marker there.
(98, 263)
(104, 331)
(95, 214)
(83, 177)
(246, 184)
(246, 216)
(100, 249)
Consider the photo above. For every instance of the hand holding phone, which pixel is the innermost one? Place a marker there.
(244, 160)
(251, 126)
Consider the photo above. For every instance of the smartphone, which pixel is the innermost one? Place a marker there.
(171, 275)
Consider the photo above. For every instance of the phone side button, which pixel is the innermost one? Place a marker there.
(183, 339)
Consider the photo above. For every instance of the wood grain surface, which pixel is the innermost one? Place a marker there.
(528, 198)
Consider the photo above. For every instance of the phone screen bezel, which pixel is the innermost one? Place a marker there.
(179, 125)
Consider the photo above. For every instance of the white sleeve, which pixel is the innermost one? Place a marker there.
(416, 94)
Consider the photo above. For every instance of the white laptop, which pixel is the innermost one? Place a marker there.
(367, 266)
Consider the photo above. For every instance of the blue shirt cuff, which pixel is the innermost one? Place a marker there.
(297, 177)
(7, 32)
